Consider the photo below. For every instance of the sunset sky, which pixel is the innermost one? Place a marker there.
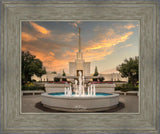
(104, 43)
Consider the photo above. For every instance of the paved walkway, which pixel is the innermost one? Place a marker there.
(131, 104)
(29, 101)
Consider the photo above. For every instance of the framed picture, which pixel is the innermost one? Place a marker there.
(80, 67)
(107, 59)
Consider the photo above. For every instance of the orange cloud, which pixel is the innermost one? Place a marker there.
(79, 22)
(24, 48)
(92, 56)
(103, 45)
(96, 49)
(69, 37)
(127, 45)
(50, 62)
(51, 53)
(27, 37)
(66, 37)
(109, 42)
(129, 26)
(39, 28)
(69, 54)
(75, 24)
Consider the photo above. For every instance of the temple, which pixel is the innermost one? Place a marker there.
(79, 64)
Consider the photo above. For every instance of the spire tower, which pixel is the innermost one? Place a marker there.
(79, 54)
(79, 40)
(79, 64)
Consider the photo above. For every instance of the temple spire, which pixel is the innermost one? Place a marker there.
(79, 41)
(79, 54)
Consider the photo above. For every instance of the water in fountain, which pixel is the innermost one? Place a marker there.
(80, 89)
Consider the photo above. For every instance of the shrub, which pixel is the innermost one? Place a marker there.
(95, 79)
(127, 87)
(56, 79)
(31, 86)
(64, 79)
(101, 79)
(118, 88)
(33, 80)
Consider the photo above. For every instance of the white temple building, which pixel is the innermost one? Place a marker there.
(113, 77)
(79, 64)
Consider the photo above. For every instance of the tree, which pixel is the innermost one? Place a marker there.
(101, 79)
(130, 69)
(64, 74)
(95, 74)
(31, 66)
(56, 79)
(54, 72)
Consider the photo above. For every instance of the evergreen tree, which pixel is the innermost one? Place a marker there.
(64, 74)
(95, 74)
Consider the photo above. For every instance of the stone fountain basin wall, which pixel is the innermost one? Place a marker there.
(80, 104)
(103, 88)
(54, 88)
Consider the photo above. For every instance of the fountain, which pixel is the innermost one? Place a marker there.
(80, 98)
(80, 89)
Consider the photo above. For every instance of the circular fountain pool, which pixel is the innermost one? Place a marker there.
(74, 95)
(83, 103)
(77, 99)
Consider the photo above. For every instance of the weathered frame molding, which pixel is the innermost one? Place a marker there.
(146, 121)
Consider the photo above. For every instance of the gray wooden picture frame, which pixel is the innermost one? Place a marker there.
(13, 12)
